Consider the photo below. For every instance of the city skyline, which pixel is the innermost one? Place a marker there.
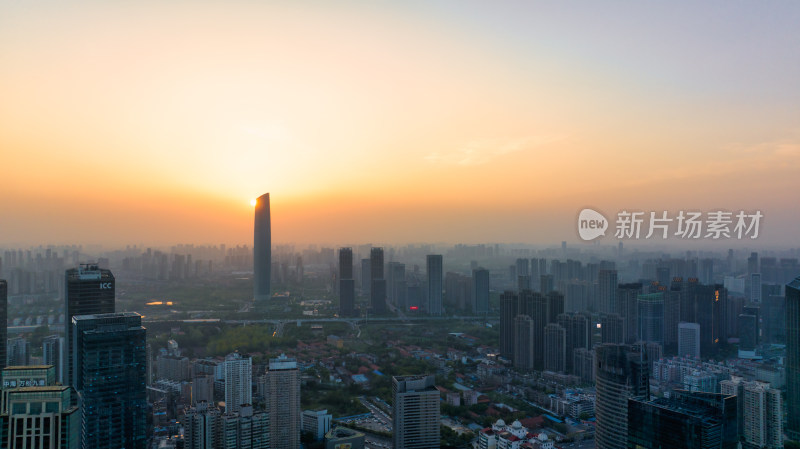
(459, 122)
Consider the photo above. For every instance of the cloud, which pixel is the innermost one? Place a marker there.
(479, 152)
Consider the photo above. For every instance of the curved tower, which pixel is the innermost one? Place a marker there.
(262, 249)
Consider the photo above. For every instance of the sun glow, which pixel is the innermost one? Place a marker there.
(253, 202)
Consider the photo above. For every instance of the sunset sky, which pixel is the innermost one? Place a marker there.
(412, 121)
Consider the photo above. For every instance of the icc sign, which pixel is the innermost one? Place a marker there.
(105, 285)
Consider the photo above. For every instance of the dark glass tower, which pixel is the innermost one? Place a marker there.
(3, 321)
(685, 420)
(435, 274)
(347, 286)
(110, 358)
(262, 249)
(90, 290)
(793, 359)
(621, 372)
(377, 291)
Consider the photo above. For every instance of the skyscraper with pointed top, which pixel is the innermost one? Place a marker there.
(262, 249)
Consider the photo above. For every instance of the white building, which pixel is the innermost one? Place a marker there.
(238, 382)
(689, 340)
(317, 423)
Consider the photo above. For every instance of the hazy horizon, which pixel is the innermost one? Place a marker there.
(416, 121)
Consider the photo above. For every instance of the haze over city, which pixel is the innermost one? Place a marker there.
(440, 122)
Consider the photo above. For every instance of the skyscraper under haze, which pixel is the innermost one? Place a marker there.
(435, 273)
(110, 377)
(3, 321)
(347, 286)
(480, 288)
(90, 290)
(378, 281)
(262, 249)
(793, 359)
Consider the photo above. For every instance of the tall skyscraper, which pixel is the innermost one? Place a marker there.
(3, 321)
(89, 290)
(621, 372)
(110, 377)
(793, 359)
(238, 382)
(18, 351)
(546, 282)
(262, 249)
(755, 288)
(509, 308)
(283, 403)
(378, 282)
(607, 291)
(53, 354)
(686, 420)
(435, 274)
(651, 317)
(37, 413)
(347, 284)
(415, 406)
(480, 288)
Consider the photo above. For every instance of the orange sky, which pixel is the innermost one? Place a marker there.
(423, 121)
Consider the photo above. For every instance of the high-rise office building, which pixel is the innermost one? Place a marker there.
(688, 340)
(621, 372)
(415, 407)
(435, 274)
(583, 364)
(686, 420)
(480, 288)
(651, 317)
(18, 350)
(607, 291)
(3, 321)
(110, 377)
(628, 305)
(555, 347)
(89, 290)
(366, 277)
(378, 282)
(37, 413)
(283, 403)
(238, 382)
(347, 284)
(53, 354)
(793, 359)
(262, 249)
